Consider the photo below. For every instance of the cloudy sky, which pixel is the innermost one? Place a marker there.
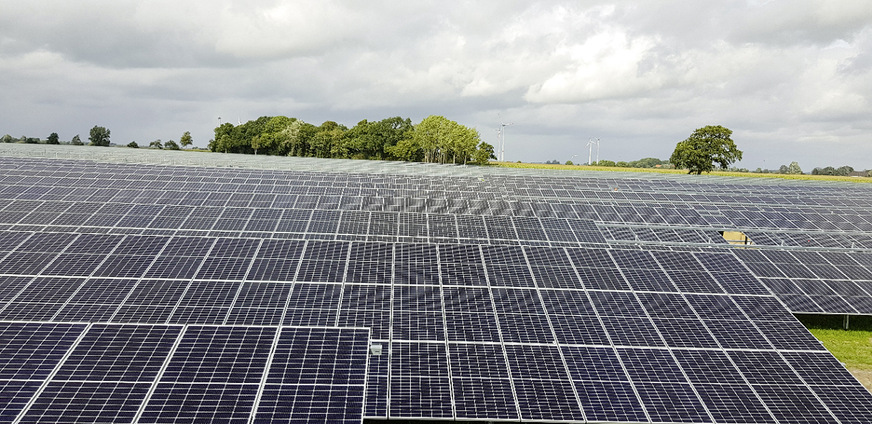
(791, 78)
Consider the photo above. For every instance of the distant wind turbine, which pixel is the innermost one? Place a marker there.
(502, 134)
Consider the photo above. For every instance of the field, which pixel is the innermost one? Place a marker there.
(853, 347)
(678, 171)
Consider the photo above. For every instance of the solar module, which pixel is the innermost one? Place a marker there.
(57, 372)
(240, 295)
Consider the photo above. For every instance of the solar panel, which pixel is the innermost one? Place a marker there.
(493, 294)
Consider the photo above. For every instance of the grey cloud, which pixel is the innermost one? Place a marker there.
(783, 75)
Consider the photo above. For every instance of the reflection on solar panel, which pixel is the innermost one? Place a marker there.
(158, 293)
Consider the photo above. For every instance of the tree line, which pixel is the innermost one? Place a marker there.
(842, 171)
(435, 139)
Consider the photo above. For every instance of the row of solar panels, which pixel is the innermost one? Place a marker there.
(183, 203)
(525, 183)
(468, 331)
(73, 372)
(134, 256)
(412, 318)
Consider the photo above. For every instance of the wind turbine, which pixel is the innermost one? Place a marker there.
(502, 134)
(590, 143)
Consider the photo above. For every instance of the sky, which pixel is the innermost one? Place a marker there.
(792, 79)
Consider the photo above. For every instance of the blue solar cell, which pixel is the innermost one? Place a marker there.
(651, 365)
(733, 403)
(665, 305)
(594, 363)
(610, 401)
(794, 404)
(819, 368)
(632, 331)
(849, 404)
(16, 395)
(220, 355)
(82, 402)
(31, 350)
(177, 403)
(472, 327)
(484, 398)
(536, 362)
(525, 328)
(416, 397)
(546, 400)
(685, 333)
(671, 402)
(119, 353)
(319, 356)
(579, 329)
(310, 404)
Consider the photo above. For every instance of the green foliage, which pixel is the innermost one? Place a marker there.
(622, 164)
(705, 147)
(841, 171)
(569, 162)
(30, 140)
(438, 139)
(157, 144)
(53, 138)
(186, 139)
(647, 163)
(133, 145)
(483, 154)
(7, 139)
(171, 145)
(76, 141)
(435, 139)
(794, 169)
(99, 136)
(606, 163)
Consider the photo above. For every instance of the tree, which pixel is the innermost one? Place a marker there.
(705, 147)
(186, 139)
(844, 171)
(155, 144)
(76, 141)
(133, 145)
(8, 139)
(99, 136)
(794, 168)
(569, 162)
(53, 138)
(171, 145)
(783, 169)
(605, 162)
(483, 154)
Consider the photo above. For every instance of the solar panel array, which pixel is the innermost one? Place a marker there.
(150, 373)
(495, 297)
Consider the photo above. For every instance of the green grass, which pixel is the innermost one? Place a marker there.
(677, 171)
(853, 346)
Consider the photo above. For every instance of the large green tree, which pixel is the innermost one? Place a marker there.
(186, 139)
(704, 148)
(76, 141)
(99, 136)
(53, 138)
